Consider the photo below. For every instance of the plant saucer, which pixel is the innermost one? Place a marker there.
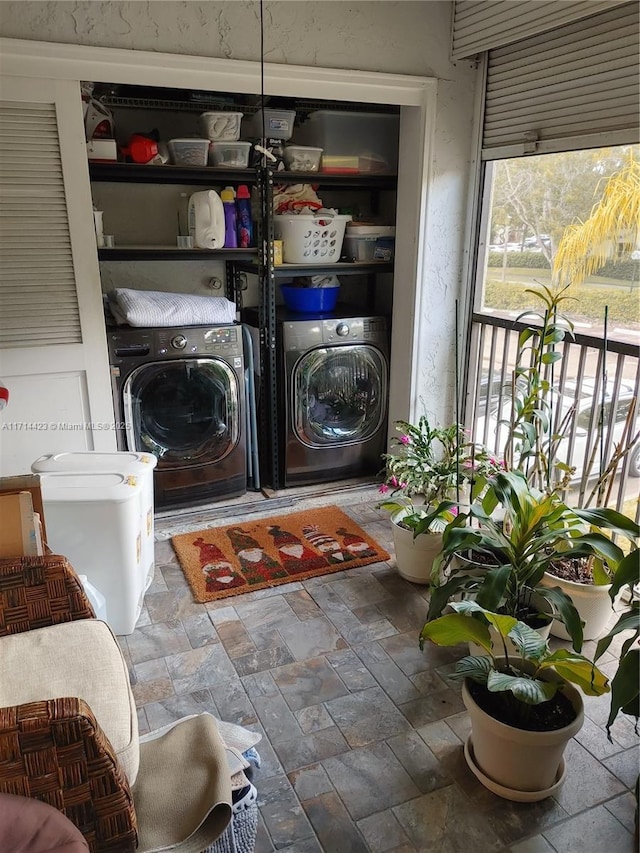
(512, 793)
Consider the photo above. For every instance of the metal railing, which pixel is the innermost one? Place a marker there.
(594, 409)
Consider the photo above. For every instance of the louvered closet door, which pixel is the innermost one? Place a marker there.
(53, 355)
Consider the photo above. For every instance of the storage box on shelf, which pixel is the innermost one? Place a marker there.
(189, 152)
(302, 158)
(352, 142)
(308, 300)
(369, 242)
(221, 126)
(230, 155)
(278, 124)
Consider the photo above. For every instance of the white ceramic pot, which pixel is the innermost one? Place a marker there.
(414, 557)
(516, 763)
(590, 600)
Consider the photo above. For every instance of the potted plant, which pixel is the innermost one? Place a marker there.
(537, 529)
(523, 707)
(532, 444)
(426, 471)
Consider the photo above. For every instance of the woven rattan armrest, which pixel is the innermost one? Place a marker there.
(36, 592)
(56, 752)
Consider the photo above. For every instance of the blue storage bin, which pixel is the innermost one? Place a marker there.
(308, 300)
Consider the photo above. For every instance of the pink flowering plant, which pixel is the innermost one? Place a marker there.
(435, 462)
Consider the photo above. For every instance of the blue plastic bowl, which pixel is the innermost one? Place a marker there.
(307, 300)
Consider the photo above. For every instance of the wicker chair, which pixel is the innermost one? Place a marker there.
(68, 728)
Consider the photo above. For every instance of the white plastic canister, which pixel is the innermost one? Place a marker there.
(206, 220)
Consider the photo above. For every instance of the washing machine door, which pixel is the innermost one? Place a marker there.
(339, 395)
(186, 411)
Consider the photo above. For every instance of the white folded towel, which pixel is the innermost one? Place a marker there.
(154, 308)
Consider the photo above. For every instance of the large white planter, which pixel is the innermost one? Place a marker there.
(514, 763)
(590, 600)
(414, 557)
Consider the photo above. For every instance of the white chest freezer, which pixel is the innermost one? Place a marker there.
(93, 518)
(119, 462)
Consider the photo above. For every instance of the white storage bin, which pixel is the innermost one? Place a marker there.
(189, 152)
(278, 124)
(121, 462)
(370, 242)
(302, 158)
(230, 155)
(94, 520)
(221, 126)
(372, 138)
(310, 239)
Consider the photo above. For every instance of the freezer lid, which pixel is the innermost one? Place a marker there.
(116, 461)
(90, 486)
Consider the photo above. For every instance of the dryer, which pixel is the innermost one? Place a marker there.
(179, 394)
(335, 395)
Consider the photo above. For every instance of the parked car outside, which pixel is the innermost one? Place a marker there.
(585, 423)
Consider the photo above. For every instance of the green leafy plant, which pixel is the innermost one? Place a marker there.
(520, 676)
(537, 529)
(531, 445)
(434, 462)
(625, 685)
(420, 518)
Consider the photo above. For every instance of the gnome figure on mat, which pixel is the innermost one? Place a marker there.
(355, 544)
(293, 553)
(217, 570)
(257, 565)
(326, 544)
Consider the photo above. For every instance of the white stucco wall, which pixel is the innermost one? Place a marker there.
(407, 37)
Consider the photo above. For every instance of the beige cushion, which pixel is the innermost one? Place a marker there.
(80, 659)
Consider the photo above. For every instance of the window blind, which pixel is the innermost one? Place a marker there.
(479, 25)
(38, 298)
(574, 87)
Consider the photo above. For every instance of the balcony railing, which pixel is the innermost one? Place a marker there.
(593, 406)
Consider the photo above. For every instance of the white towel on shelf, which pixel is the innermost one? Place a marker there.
(154, 308)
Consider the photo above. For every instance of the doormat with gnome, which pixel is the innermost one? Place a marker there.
(241, 557)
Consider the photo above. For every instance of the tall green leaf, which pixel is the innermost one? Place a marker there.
(624, 688)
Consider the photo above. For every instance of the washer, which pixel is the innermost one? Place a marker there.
(179, 394)
(335, 398)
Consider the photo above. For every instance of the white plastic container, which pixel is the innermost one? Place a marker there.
(121, 462)
(372, 138)
(206, 220)
(230, 155)
(302, 158)
(309, 239)
(94, 520)
(370, 242)
(278, 124)
(189, 152)
(221, 126)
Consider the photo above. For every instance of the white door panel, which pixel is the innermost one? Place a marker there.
(53, 353)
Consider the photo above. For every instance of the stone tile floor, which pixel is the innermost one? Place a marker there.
(362, 732)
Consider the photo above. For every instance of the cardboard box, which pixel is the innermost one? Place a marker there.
(26, 483)
(19, 526)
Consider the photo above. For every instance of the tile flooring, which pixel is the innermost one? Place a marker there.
(362, 732)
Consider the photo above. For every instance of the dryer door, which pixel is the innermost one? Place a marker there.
(339, 395)
(186, 412)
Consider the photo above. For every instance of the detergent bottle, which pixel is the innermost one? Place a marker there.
(245, 222)
(228, 196)
(206, 220)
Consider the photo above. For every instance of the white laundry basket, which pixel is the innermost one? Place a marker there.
(310, 239)
(121, 462)
(94, 520)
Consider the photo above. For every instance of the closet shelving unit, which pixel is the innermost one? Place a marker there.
(258, 261)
